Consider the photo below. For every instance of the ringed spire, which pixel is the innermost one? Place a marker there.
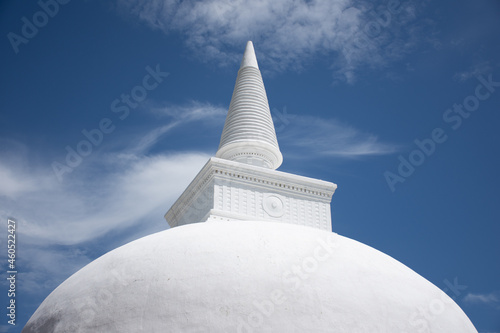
(248, 135)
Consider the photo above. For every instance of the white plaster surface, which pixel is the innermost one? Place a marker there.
(243, 276)
(249, 58)
(229, 190)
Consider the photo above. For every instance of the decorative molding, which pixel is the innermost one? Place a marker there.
(273, 205)
(231, 190)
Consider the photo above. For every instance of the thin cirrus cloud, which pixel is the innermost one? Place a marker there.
(321, 137)
(90, 204)
(177, 116)
(476, 70)
(14, 184)
(492, 299)
(290, 34)
(192, 111)
(116, 189)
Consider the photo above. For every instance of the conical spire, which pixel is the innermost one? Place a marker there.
(248, 135)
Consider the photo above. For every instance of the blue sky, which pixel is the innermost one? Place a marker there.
(397, 102)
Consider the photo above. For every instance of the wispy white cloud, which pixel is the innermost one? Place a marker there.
(474, 71)
(319, 137)
(151, 138)
(492, 298)
(192, 111)
(13, 166)
(177, 115)
(289, 34)
(12, 184)
(88, 205)
(113, 190)
(44, 268)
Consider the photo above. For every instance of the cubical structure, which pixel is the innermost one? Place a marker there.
(250, 250)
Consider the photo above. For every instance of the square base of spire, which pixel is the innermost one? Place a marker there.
(228, 190)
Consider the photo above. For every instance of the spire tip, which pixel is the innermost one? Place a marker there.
(249, 58)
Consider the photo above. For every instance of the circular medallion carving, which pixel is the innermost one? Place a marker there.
(273, 205)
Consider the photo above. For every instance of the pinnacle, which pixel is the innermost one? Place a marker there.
(249, 58)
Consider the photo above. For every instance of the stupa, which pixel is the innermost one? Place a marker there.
(250, 249)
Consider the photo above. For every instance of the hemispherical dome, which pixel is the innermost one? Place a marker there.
(242, 276)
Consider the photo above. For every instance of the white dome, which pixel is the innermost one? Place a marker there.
(241, 276)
